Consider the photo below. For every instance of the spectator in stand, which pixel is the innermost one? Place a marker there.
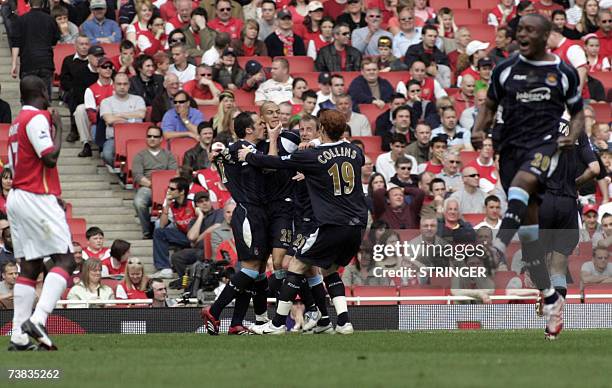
(6, 178)
(384, 122)
(450, 171)
(478, 287)
(139, 32)
(175, 221)
(485, 69)
(89, 289)
(485, 165)
(604, 21)
(99, 28)
(546, 7)
(503, 39)
(401, 120)
(560, 21)
(470, 197)
(248, 44)
(339, 56)
(446, 23)
(267, 22)
(353, 15)
(451, 227)
(427, 237)
(376, 181)
(124, 62)
(525, 7)
(285, 110)
(493, 215)
(95, 244)
(428, 45)
(145, 162)
(365, 39)
(199, 38)
(592, 49)
(160, 294)
(279, 88)
(369, 88)
(182, 17)
(431, 90)
(570, 52)
(590, 226)
(78, 259)
(121, 107)
(423, 12)
(502, 13)
(366, 172)
(115, 264)
(419, 149)
(393, 208)
(85, 115)
(433, 205)
(32, 42)
(465, 98)
(224, 22)
(475, 51)
(311, 26)
(254, 76)
(184, 70)
(385, 163)
(283, 42)
(197, 156)
(599, 270)
(176, 36)
(298, 88)
(228, 72)
(182, 120)
(77, 73)
(146, 83)
(358, 123)
(574, 13)
(168, 10)
(468, 116)
(134, 282)
(403, 173)
(420, 110)
(68, 31)
(203, 89)
(407, 34)
(162, 63)
(221, 122)
(437, 148)
(324, 38)
(6, 251)
(165, 100)
(336, 88)
(457, 137)
(309, 102)
(604, 237)
(10, 272)
(386, 60)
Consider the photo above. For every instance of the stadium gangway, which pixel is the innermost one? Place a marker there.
(352, 299)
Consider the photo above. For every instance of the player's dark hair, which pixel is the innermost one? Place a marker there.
(119, 248)
(200, 11)
(395, 96)
(93, 231)
(438, 139)
(203, 125)
(523, 5)
(606, 215)
(5, 265)
(428, 27)
(398, 109)
(126, 45)
(296, 80)
(558, 12)
(491, 198)
(269, 2)
(32, 88)
(334, 124)
(243, 121)
(434, 181)
(309, 93)
(398, 138)
(140, 60)
(161, 131)
(402, 160)
(336, 75)
(181, 183)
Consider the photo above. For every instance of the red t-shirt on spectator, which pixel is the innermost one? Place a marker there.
(117, 63)
(605, 43)
(433, 168)
(202, 93)
(333, 9)
(342, 54)
(22, 7)
(219, 194)
(100, 255)
(133, 293)
(183, 215)
(487, 173)
(233, 26)
(108, 263)
(167, 11)
(546, 10)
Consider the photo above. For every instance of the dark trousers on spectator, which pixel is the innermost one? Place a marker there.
(8, 17)
(162, 239)
(184, 258)
(45, 74)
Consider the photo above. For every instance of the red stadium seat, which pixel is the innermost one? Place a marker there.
(300, 64)
(60, 52)
(371, 143)
(464, 16)
(208, 252)
(179, 146)
(473, 218)
(242, 97)
(594, 289)
(603, 113)
(133, 147)
(482, 32)
(4, 130)
(394, 77)
(209, 111)
(375, 291)
(451, 91)
(311, 78)
(159, 188)
(68, 210)
(585, 249)
(125, 132)
(371, 111)
(437, 4)
(422, 291)
(80, 238)
(4, 151)
(110, 49)
(605, 77)
(483, 4)
(77, 225)
(112, 283)
(467, 157)
(349, 76)
(502, 278)
(264, 61)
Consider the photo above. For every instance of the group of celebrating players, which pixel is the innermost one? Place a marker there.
(299, 197)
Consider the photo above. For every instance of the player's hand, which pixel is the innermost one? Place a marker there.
(299, 177)
(304, 145)
(212, 156)
(486, 299)
(242, 153)
(379, 103)
(273, 133)
(15, 70)
(565, 142)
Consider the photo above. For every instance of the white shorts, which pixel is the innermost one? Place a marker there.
(38, 225)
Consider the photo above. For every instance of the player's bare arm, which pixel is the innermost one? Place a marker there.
(484, 120)
(50, 159)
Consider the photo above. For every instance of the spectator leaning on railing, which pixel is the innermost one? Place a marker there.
(90, 289)
(9, 272)
(599, 270)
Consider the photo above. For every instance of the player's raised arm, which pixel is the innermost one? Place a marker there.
(574, 104)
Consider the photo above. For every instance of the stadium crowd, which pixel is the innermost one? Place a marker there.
(409, 75)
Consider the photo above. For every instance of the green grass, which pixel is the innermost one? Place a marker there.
(366, 359)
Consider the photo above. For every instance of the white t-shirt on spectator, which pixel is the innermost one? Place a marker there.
(210, 56)
(576, 55)
(113, 105)
(184, 76)
(274, 91)
(589, 268)
(386, 166)
(360, 126)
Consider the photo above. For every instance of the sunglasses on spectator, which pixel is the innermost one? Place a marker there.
(180, 101)
(606, 21)
(472, 176)
(154, 136)
(345, 33)
(176, 40)
(454, 161)
(406, 19)
(172, 188)
(405, 168)
(206, 75)
(224, 9)
(106, 67)
(374, 16)
(415, 90)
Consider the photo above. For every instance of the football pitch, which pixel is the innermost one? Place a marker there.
(366, 359)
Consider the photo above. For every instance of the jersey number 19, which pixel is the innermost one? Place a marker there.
(342, 176)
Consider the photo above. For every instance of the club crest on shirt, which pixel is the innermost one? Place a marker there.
(43, 135)
(551, 79)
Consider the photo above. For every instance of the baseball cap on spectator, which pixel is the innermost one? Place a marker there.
(589, 208)
(252, 67)
(229, 51)
(283, 13)
(325, 78)
(474, 46)
(486, 61)
(96, 50)
(315, 6)
(384, 41)
(105, 61)
(201, 195)
(97, 4)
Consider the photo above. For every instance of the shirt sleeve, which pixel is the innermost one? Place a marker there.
(105, 107)
(89, 100)
(439, 91)
(259, 93)
(570, 83)
(576, 56)
(39, 134)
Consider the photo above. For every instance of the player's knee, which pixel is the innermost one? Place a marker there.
(251, 264)
(528, 233)
(525, 181)
(297, 266)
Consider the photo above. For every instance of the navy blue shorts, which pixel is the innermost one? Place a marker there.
(280, 223)
(539, 161)
(331, 244)
(558, 221)
(249, 226)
